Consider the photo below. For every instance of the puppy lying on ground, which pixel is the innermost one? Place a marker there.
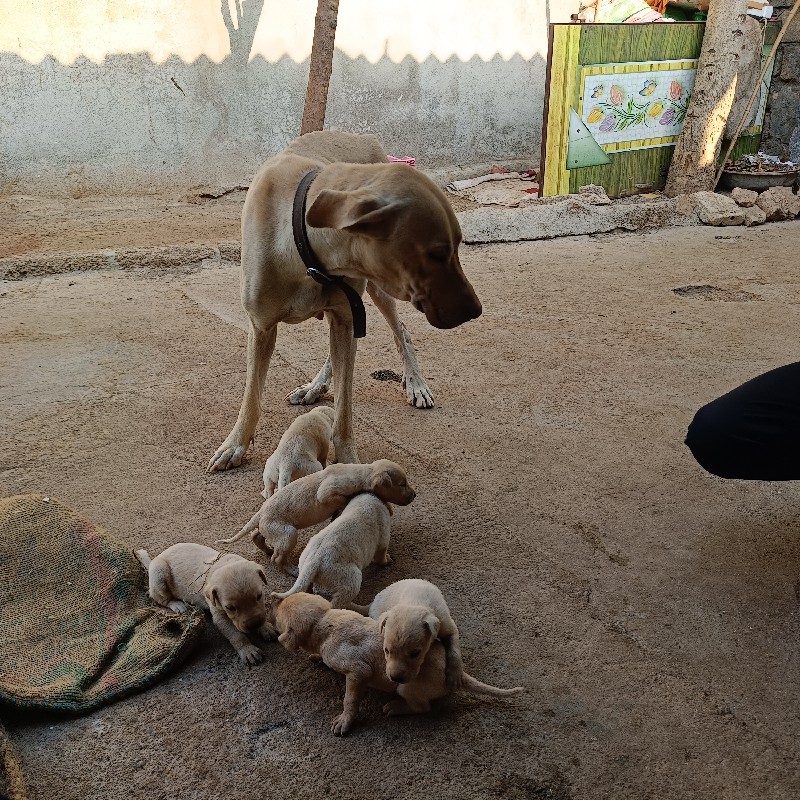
(302, 450)
(334, 558)
(225, 584)
(353, 646)
(314, 498)
(412, 615)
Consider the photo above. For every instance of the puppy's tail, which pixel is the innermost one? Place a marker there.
(304, 582)
(251, 526)
(473, 685)
(144, 558)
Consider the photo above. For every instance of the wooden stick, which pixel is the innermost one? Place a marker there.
(756, 91)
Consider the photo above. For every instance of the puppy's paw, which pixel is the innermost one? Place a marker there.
(308, 393)
(342, 724)
(178, 606)
(250, 654)
(394, 708)
(268, 632)
(454, 679)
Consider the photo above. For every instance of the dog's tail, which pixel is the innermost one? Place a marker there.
(144, 558)
(473, 685)
(304, 582)
(249, 528)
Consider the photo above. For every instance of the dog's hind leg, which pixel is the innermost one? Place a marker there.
(260, 344)
(418, 392)
(310, 393)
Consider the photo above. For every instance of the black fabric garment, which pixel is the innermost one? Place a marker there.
(752, 432)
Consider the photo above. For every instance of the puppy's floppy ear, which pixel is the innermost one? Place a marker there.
(431, 622)
(382, 620)
(381, 480)
(359, 211)
(210, 593)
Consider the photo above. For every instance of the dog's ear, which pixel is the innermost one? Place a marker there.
(262, 575)
(359, 211)
(382, 620)
(381, 481)
(431, 622)
(211, 596)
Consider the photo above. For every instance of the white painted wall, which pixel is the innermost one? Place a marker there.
(139, 94)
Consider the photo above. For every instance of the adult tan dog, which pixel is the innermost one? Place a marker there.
(367, 220)
(352, 645)
(227, 585)
(316, 497)
(333, 558)
(412, 615)
(302, 450)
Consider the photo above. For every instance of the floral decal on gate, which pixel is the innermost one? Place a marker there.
(630, 106)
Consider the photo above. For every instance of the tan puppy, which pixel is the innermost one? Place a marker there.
(352, 645)
(302, 450)
(225, 584)
(412, 615)
(367, 220)
(334, 558)
(314, 498)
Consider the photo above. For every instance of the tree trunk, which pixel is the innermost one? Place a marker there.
(319, 74)
(694, 162)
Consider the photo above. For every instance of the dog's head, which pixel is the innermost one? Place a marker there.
(406, 236)
(238, 590)
(408, 632)
(326, 412)
(296, 615)
(389, 482)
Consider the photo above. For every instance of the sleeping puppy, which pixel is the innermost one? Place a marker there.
(302, 450)
(225, 584)
(412, 615)
(352, 645)
(314, 498)
(333, 558)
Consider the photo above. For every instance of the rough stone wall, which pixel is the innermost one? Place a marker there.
(782, 125)
(138, 94)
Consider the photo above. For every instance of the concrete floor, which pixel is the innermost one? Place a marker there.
(653, 611)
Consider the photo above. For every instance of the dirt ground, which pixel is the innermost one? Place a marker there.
(652, 610)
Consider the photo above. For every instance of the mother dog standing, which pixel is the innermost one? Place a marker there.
(365, 220)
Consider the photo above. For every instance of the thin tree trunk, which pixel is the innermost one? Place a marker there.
(319, 74)
(694, 162)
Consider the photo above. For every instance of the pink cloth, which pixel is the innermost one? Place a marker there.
(412, 162)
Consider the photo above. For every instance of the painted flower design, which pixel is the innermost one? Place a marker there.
(617, 95)
(608, 123)
(675, 91)
(656, 110)
(595, 115)
(668, 117)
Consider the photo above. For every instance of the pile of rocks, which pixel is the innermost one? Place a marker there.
(745, 207)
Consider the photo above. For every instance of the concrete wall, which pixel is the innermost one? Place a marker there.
(782, 124)
(138, 94)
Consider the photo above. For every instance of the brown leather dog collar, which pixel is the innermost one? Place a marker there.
(314, 267)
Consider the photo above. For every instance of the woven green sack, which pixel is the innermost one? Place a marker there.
(77, 629)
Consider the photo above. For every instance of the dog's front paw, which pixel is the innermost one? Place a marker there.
(342, 724)
(250, 654)
(418, 392)
(308, 393)
(178, 606)
(453, 679)
(394, 708)
(268, 632)
(228, 456)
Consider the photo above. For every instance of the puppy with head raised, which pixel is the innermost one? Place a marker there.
(227, 585)
(302, 450)
(413, 614)
(333, 558)
(314, 498)
(352, 645)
